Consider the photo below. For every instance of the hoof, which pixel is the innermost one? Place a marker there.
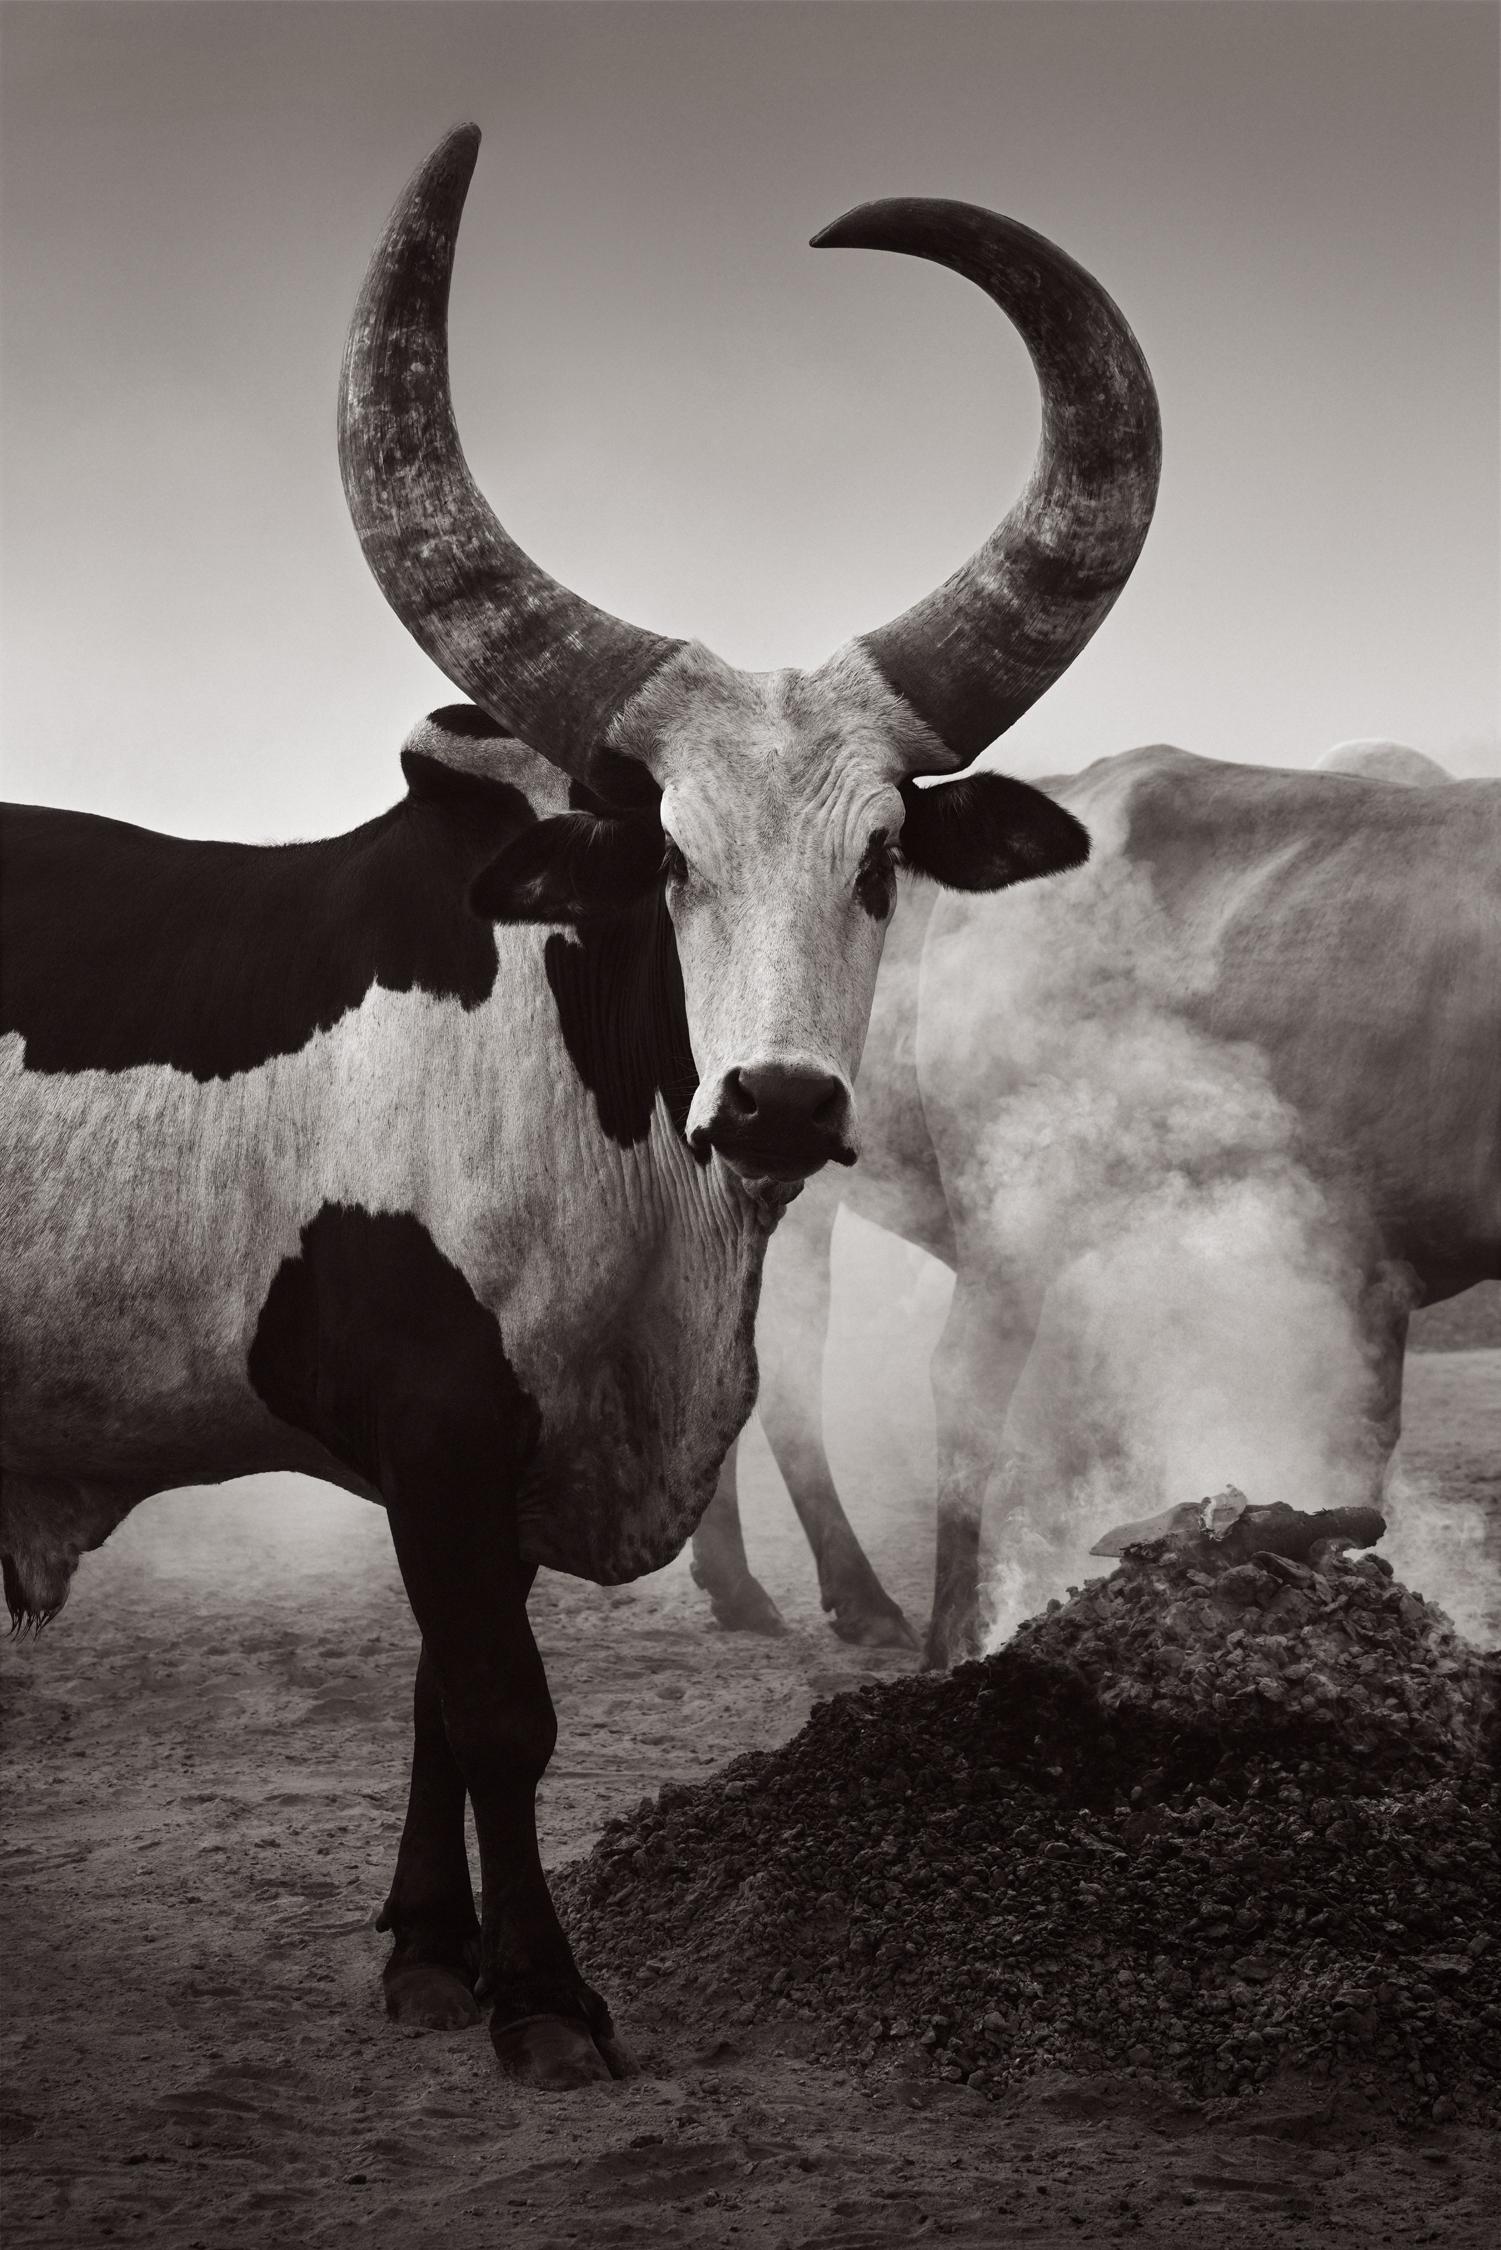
(617, 2056)
(425, 1996)
(748, 1609)
(873, 1622)
(555, 2054)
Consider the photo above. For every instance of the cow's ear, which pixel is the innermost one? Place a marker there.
(571, 866)
(985, 831)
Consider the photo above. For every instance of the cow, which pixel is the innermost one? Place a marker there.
(1345, 923)
(438, 1160)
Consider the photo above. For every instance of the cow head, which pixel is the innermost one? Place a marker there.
(775, 809)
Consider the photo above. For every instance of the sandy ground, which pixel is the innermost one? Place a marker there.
(204, 1776)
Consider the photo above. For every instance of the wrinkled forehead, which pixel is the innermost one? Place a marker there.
(767, 744)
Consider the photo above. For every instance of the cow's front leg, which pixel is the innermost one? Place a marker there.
(457, 1548)
(435, 1958)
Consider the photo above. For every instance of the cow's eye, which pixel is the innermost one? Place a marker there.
(674, 866)
(875, 885)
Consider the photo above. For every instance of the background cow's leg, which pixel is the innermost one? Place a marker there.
(456, 1543)
(791, 1407)
(739, 1601)
(976, 1368)
(429, 1978)
(792, 1333)
(1386, 1335)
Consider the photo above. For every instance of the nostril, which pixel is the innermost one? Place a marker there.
(739, 1098)
(830, 1111)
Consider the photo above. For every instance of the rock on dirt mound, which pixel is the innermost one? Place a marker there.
(1208, 1818)
(1229, 1632)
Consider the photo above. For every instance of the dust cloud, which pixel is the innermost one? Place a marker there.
(1445, 1546)
(1140, 1179)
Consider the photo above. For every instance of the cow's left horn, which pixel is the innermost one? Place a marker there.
(972, 656)
(545, 663)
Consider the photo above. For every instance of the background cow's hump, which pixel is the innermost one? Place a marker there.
(1379, 760)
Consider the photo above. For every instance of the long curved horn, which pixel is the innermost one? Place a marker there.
(545, 663)
(972, 656)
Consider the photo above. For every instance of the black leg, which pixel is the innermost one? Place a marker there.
(374, 1341)
(456, 1543)
(430, 1976)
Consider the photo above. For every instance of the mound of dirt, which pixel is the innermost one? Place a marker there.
(1211, 1818)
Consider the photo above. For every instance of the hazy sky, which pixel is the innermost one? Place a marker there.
(695, 420)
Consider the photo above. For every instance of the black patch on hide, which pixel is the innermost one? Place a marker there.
(619, 993)
(372, 1342)
(122, 947)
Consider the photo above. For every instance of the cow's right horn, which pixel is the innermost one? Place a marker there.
(545, 663)
(973, 655)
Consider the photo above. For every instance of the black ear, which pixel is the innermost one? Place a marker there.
(570, 866)
(622, 785)
(985, 831)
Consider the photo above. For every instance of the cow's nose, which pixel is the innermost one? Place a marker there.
(786, 1094)
(780, 1118)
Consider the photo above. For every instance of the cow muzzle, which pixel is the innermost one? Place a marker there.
(775, 1120)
